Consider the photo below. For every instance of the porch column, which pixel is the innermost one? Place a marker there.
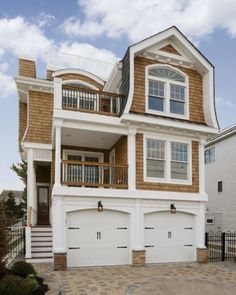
(202, 166)
(57, 93)
(31, 197)
(132, 158)
(201, 226)
(57, 155)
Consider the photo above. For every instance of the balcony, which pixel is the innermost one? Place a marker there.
(92, 101)
(94, 174)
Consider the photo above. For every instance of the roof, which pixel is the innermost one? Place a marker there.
(222, 135)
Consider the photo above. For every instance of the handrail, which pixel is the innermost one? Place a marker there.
(94, 163)
(68, 87)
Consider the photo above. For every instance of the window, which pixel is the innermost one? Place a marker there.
(220, 186)
(167, 161)
(155, 158)
(210, 221)
(167, 91)
(210, 155)
(179, 160)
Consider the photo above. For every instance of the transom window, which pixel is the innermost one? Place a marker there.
(167, 161)
(166, 91)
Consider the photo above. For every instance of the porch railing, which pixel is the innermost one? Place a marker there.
(89, 100)
(94, 174)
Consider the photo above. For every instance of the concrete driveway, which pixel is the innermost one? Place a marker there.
(186, 279)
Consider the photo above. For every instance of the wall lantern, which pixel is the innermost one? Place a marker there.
(100, 206)
(172, 209)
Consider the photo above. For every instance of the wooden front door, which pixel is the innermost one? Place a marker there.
(43, 205)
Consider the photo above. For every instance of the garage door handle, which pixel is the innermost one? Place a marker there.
(149, 246)
(74, 228)
(188, 228)
(148, 227)
(73, 248)
(121, 227)
(121, 247)
(188, 245)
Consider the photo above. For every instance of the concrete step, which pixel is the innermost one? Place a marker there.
(44, 229)
(41, 234)
(39, 260)
(41, 243)
(41, 239)
(42, 254)
(41, 248)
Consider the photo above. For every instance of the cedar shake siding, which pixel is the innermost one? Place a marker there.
(22, 121)
(121, 156)
(196, 113)
(170, 49)
(140, 184)
(27, 68)
(81, 78)
(125, 76)
(40, 117)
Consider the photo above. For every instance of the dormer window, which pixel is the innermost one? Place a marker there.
(166, 91)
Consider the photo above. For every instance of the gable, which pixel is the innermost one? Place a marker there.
(170, 49)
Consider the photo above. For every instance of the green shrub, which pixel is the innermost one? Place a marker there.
(23, 269)
(11, 285)
(29, 284)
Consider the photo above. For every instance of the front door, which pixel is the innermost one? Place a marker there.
(43, 205)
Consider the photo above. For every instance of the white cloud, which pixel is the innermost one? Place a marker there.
(7, 85)
(222, 102)
(138, 19)
(43, 19)
(20, 37)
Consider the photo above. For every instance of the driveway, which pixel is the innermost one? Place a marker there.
(177, 279)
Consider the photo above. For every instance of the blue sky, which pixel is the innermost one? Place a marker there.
(103, 29)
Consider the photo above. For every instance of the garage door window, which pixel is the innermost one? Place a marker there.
(167, 161)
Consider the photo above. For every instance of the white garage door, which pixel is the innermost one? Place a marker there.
(169, 237)
(97, 238)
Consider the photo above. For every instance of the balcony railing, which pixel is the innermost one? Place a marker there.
(94, 174)
(89, 100)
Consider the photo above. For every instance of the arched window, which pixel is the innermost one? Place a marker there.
(167, 91)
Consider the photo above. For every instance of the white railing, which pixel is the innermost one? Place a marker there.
(60, 60)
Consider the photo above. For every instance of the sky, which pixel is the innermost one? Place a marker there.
(103, 29)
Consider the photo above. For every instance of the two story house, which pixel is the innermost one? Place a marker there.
(115, 154)
(220, 155)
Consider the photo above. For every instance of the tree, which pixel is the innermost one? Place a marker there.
(13, 212)
(21, 170)
(3, 239)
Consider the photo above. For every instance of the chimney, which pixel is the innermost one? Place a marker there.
(27, 67)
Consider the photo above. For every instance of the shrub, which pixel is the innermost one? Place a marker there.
(11, 285)
(23, 269)
(29, 285)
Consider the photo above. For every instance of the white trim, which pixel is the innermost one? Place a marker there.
(139, 119)
(25, 57)
(35, 145)
(79, 72)
(167, 178)
(34, 81)
(127, 194)
(167, 98)
(66, 82)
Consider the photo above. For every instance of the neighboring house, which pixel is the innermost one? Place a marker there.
(220, 161)
(17, 194)
(112, 150)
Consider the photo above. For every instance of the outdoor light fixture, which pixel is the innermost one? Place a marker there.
(100, 206)
(172, 209)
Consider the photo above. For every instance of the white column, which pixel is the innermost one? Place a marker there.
(57, 156)
(28, 242)
(202, 166)
(58, 221)
(30, 185)
(138, 242)
(201, 226)
(58, 93)
(132, 159)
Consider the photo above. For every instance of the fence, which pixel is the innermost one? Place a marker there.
(221, 245)
(15, 243)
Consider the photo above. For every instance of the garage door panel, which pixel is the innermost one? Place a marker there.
(169, 237)
(102, 238)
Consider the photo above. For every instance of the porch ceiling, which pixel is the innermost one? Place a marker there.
(91, 139)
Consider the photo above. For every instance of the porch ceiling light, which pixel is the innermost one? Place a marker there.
(172, 208)
(100, 206)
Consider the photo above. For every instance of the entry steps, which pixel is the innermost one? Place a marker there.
(41, 245)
